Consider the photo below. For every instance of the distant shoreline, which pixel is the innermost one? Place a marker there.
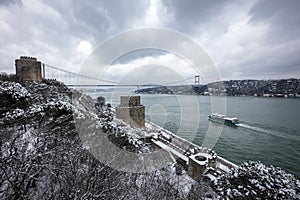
(265, 97)
(283, 88)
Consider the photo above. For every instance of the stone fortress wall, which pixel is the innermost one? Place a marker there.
(131, 111)
(198, 161)
(28, 69)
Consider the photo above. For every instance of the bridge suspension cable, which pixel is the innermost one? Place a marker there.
(75, 79)
(76, 75)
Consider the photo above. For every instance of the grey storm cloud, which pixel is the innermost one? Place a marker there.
(9, 2)
(282, 36)
(106, 17)
(245, 39)
(282, 16)
(193, 13)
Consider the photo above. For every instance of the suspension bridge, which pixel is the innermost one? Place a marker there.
(73, 79)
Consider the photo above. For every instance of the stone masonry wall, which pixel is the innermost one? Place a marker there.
(28, 68)
(131, 112)
(130, 101)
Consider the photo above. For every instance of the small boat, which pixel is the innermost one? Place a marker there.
(223, 119)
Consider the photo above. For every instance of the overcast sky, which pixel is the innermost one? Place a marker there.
(244, 39)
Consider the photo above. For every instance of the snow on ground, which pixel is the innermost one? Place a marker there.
(30, 140)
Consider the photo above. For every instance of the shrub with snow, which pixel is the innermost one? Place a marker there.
(12, 96)
(254, 180)
(15, 90)
(14, 114)
(55, 107)
(59, 105)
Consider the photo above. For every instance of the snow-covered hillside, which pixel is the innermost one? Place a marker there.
(43, 157)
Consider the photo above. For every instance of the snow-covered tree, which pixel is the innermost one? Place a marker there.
(254, 180)
(13, 95)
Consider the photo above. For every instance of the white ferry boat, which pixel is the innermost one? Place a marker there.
(223, 119)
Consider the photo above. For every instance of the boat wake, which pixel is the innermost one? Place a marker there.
(266, 131)
(255, 128)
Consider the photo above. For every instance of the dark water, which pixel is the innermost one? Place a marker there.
(269, 130)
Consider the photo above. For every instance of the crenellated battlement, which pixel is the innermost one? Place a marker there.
(28, 58)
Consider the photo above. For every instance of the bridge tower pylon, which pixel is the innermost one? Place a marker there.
(197, 80)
